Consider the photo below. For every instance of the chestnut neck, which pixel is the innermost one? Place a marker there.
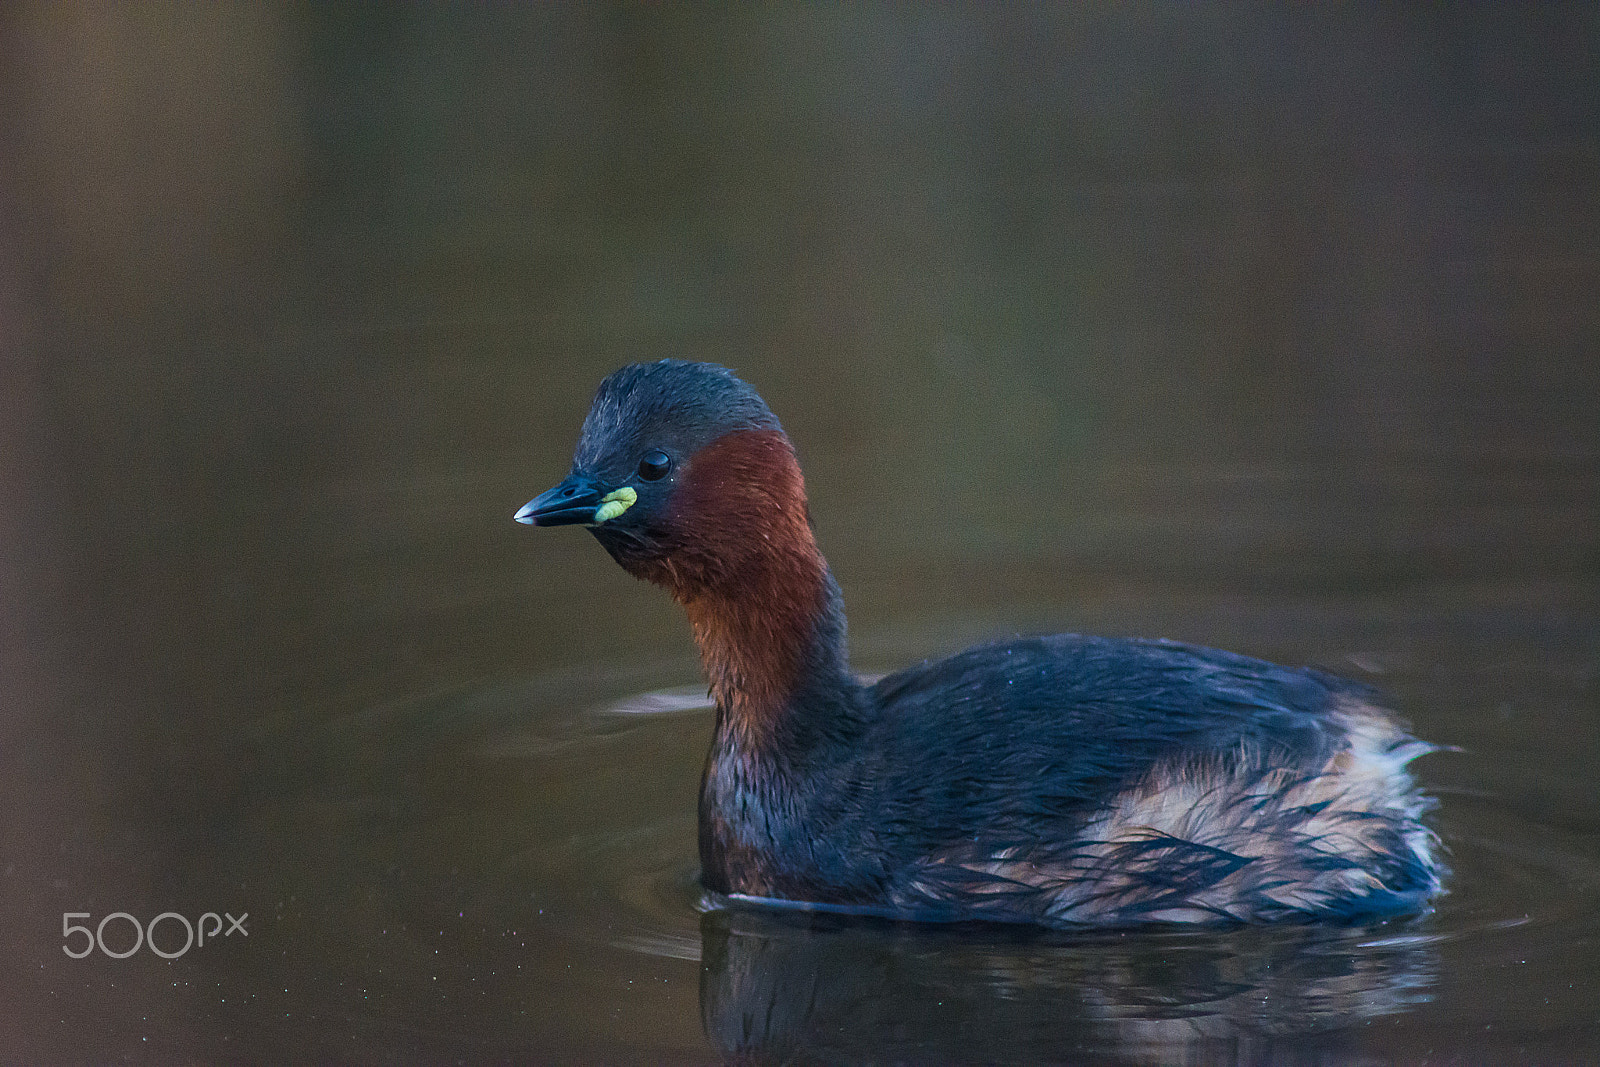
(767, 615)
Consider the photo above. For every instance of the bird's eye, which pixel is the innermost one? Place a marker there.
(655, 465)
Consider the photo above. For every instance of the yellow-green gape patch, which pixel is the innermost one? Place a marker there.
(614, 503)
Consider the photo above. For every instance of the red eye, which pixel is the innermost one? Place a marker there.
(655, 465)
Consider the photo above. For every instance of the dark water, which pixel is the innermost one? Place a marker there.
(1272, 331)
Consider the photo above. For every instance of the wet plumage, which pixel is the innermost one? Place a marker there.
(1053, 780)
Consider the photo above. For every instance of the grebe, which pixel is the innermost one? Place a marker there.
(1054, 780)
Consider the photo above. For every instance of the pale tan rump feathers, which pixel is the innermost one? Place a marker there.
(1230, 837)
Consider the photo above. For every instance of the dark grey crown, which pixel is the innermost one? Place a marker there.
(671, 404)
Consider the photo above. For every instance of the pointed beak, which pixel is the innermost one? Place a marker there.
(573, 501)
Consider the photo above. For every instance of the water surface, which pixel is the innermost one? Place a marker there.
(1268, 331)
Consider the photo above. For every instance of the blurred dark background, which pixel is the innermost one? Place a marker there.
(1273, 329)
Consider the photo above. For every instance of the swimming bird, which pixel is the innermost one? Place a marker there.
(1056, 780)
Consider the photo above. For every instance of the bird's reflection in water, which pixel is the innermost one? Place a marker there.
(780, 987)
